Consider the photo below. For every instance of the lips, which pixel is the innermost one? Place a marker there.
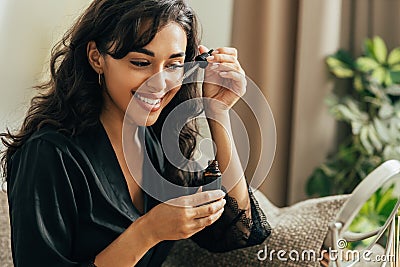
(149, 102)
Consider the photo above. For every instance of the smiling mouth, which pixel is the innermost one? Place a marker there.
(148, 103)
(148, 100)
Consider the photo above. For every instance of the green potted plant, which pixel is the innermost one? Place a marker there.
(371, 110)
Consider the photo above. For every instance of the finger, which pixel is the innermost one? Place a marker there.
(240, 83)
(203, 49)
(225, 67)
(209, 209)
(203, 198)
(196, 199)
(234, 75)
(226, 50)
(222, 58)
(206, 221)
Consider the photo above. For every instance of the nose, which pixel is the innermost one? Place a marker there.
(157, 82)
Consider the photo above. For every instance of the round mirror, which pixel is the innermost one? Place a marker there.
(375, 212)
(369, 235)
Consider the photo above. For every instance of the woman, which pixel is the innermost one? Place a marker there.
(73, 199)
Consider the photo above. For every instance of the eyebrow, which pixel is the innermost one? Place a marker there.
(151, 53)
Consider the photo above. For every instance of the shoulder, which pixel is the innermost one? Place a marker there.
(39, 161)
(50, 137)
(43, 145)
(44, 149)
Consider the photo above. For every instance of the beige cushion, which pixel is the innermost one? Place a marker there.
(5, 243)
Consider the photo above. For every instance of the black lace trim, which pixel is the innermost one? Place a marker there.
(249, 224)
(262, 229)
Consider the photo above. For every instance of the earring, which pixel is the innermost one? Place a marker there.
(100, 79)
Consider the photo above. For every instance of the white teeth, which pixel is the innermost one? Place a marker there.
(148, 100)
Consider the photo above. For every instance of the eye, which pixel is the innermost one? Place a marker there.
(175, 67)
(140, 63)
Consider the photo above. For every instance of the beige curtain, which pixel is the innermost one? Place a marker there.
(282, 45)
(264, 33)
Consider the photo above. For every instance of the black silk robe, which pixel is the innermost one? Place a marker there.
(69, 200)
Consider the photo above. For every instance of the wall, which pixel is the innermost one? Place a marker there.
(216, 20)
(28, 29)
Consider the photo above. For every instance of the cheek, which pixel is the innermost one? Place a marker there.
(120, 76)
(124, 81)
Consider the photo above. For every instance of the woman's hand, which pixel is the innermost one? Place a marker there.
(182, 217)
(224, 81)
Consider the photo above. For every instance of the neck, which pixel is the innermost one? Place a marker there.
(113, 123)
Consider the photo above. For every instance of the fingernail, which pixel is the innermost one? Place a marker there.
(223, 73)
(210, 58)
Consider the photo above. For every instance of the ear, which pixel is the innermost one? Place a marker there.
(96, 60)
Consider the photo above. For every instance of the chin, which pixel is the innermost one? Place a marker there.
(150, 121)
(135, 118)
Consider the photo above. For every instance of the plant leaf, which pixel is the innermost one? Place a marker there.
(395, 75)
(328, 171)
(339, 68)
(385, 111)
(345, 57)
(345, 113)
(382, 130)
(357, 83)
(393, 90)
(364, 140)
(387, 153)
(378, 91)
(373, 136)
(379, 74)
(395, 68)
(385, 199)
(393, 129)
(388, 79)
(373, 100)
(388, 208)
(356, 127)
(380, 50)
(369, 48)
(366, 64)
(318, 184)
(354, 107)
(394, 57)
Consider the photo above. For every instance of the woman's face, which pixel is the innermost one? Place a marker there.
(123, 77)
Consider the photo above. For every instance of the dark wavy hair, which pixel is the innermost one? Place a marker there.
(71, 101)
